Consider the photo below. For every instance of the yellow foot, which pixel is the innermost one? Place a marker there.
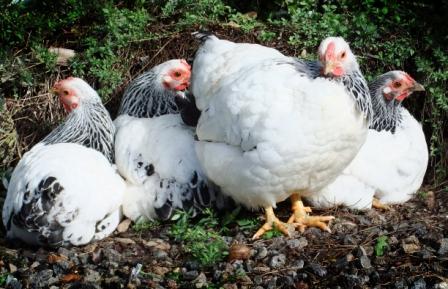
(378, 205)
(300, 218)
(271, 219)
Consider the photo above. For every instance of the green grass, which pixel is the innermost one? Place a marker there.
(381, 245)
(201, 239)
(142, 225)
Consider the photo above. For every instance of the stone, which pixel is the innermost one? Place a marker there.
(297, 244)
(200, 281)
(124, 226)
(365, 262)
(262, 252)
(443, 249)
(318, 269)
(419, 284)
(91, 276)
(277, 261)
(190, 275)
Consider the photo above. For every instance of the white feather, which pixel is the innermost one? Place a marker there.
(92, 190)
(389, 166)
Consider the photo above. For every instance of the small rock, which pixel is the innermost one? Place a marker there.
(286, 281)
(12, 268)
(350, 240)
(393, 240)
(442, 285)
(34, 265)
(43, 278)
(200, 281)
(419, 284)
(298, 264)
(400, 284)
(443, 250)
(239, 252)
(12, 283)
(344, 261)
(297, 243)
(318, 269)
(410, 248)
(258, 280)
(191, 265)
(365, 262)
(229, 286)
(190, 275)
(157, 244)
(262, 252)
(159, 254)
(111, 255)
(91, 276)
(160, 270)
(217, 275)
(272, 283)
(277, 261)
(430, 200)
(125, 241)
(352, 280)
(124, 226)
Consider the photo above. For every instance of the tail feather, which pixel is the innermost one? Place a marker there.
(202, 35)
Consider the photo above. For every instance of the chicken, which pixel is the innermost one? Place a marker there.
(270, 128)
(392, 162)
(64, 191)
(154, 149)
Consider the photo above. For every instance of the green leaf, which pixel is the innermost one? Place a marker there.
(381, 245)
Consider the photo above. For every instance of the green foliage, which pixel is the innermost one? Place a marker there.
(201, 239)
(193, 12)
(381, 245)
(272, 234)
(142, 225)
(100, 59)
(3, 278)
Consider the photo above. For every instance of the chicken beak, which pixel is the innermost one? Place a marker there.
(328, 68)
(418, 87)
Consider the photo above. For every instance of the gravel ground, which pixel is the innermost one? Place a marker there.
(416, 256)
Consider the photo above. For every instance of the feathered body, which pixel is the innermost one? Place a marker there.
(64, 191)
(156, 155)
(392, 162)
(269, 127)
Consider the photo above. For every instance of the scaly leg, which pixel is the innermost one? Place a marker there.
(271, 219)
(378, 205)
(301, 219)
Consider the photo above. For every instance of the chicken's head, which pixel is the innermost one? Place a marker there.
(336, 57)
(73, 92)
(398, 85)
(175, 74)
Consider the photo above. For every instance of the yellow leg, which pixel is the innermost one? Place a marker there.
(378, 205)
(271, 219)
(301, 219)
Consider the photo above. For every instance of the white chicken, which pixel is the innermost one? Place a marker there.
(154, 149)
(392, 162)
(271, 129)
(65, 191)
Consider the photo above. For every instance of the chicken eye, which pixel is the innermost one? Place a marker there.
(343, 55)
(397, 84)
(177, 74)
(65, 92)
